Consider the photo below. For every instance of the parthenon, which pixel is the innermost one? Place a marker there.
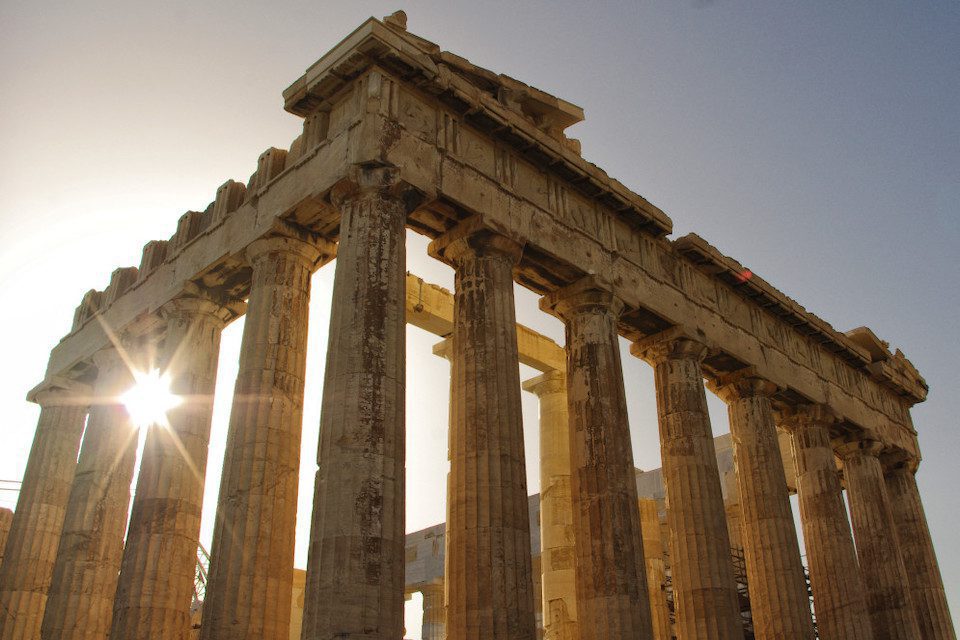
(400, 135)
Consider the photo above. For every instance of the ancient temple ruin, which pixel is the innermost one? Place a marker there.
(399, 134)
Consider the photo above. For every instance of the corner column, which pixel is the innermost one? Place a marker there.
(250, 584)
(80, 604)
(488, 561)
(355, 570)
(778, 591)
(916, 549)
(160, 557)
(612, 598)
(558, 552)
(34, 536)
(704, 591)
(889, 605)
(839, 598)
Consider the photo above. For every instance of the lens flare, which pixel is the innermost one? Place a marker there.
(150, 398)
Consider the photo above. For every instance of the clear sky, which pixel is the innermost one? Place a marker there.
(817, 142)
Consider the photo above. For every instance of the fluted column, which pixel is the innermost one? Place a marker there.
(355, 579)
(34, 537)
(656, 569)
(704, 591)
(6, 520)
(488, 561)
(160, 557)
(612, 598)
(916, 549)
(839, 598)
(557, 545)
(778, 590)
(249, 587)
(433, 614)
(80, 603)
(884, 575)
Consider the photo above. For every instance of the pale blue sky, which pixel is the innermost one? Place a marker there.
(817, 142)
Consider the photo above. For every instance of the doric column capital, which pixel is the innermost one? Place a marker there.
(59, 391)
(864, 447)
(108, 358)
(312, 250)
(444, 349)
(547, 383)
(589, 294)
(202, 305)
(367, 182)
(904, 467)
(797, 417)
(472, 239)
(742, 384)
(672, 344)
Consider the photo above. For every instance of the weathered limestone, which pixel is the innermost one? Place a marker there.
(433, 627)
(779, 603)
(473, 143)
(704, 591)
(6, 521)
(355, 567)
(558, 549)
(34, 537)
(612, 599)
(838, 593)
(160, 557)
(249, 587)
(916, 549)
(489, 584)
(80, 601)
(889, 604)
(656, 569)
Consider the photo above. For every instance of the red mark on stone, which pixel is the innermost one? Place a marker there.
(744, 275)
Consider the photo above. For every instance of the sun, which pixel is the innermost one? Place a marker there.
(150, 398)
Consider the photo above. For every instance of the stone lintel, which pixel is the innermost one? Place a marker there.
(526, 117)
(860, 347)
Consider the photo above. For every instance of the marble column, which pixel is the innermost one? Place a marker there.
(778, 590)
(839, 598)
(160, 557)
(433, 613)
(704, 591)
(612, 598)
(80, 602)
(889, 605)
(250, 583)
(355, 570)
(916, 549)
(6, 520)
(34, 537)
(656, 569)
(557, 545)
(488, 568)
